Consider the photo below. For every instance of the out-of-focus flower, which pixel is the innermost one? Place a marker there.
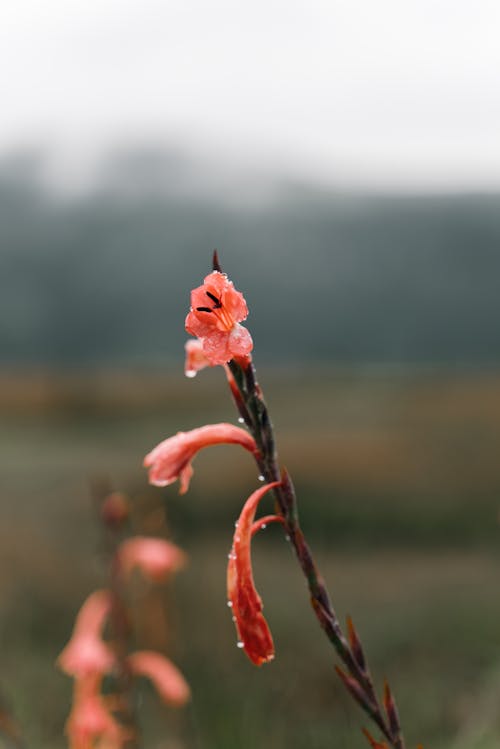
(171, 459)
(86, 653)
(89, 721)
(115, 509)
(195, 357)
(253, 632)
(155, 557)
(167, 679)
(216, 311)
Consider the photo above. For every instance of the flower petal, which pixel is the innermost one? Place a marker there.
(86, 653)
(167, 679)
(155, 557)
(171, 459)
(246, 604)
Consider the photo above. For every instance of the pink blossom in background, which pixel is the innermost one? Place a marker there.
(171, 459)
(90, 724)
(155, 557)
(167, 679)
(86, 653)
(216, 311)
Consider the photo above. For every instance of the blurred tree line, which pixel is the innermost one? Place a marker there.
(101, 277)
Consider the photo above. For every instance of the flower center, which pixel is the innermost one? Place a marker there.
(223, 317)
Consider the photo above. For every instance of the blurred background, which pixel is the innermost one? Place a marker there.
(344, 159)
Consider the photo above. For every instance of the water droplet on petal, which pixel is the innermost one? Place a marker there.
(190, 373)
(263, 527)
(236, 524)
(240, 644)
(262, 478)
(241, 420)
(230, 604)
(233, 618)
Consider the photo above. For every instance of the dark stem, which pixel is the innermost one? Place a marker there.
(359, 681)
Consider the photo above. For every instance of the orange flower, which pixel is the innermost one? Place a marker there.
(90, 721)
(167, 679)
(86, 653)
(216, 311)
(155, 557)
(171, 459)
(253, 632)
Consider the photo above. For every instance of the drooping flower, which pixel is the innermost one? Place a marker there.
(90, 721)
(167, 679)
(86, 653)
(254, 634)
(171, 459)
(216, 311)
(155, 557)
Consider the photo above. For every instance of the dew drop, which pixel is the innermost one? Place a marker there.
(240, 644)
(230, 604)
(263, 527)
(241, 420)
(236, 524)
(190, 373)
(262, 478)
(233, 618)
(287, 538)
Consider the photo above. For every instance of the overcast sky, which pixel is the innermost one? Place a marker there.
(373, 92)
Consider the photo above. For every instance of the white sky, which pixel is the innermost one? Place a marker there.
(373, 92)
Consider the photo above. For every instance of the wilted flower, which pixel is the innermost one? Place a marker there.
(216, 311)
(155, 557)
(253, 632)
(171, 459)
(167, 679)
(86, 653)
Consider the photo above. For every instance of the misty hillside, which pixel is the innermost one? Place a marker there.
(103, 278)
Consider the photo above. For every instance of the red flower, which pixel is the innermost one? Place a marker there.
(155, 557)
(86, 653)
(171, 459)
(167, 679)
(216, 311)
(253, 632)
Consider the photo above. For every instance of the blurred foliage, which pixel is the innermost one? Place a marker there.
(398, 484)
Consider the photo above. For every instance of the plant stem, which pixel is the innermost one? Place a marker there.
(252, 407)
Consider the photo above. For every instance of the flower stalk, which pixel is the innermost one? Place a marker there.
(358, 679)
(215, 317)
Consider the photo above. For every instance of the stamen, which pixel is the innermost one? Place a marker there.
(203, 309)
(217, 301)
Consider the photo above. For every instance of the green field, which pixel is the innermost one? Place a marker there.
(398, 477)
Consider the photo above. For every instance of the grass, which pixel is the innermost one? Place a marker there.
(399, 487)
